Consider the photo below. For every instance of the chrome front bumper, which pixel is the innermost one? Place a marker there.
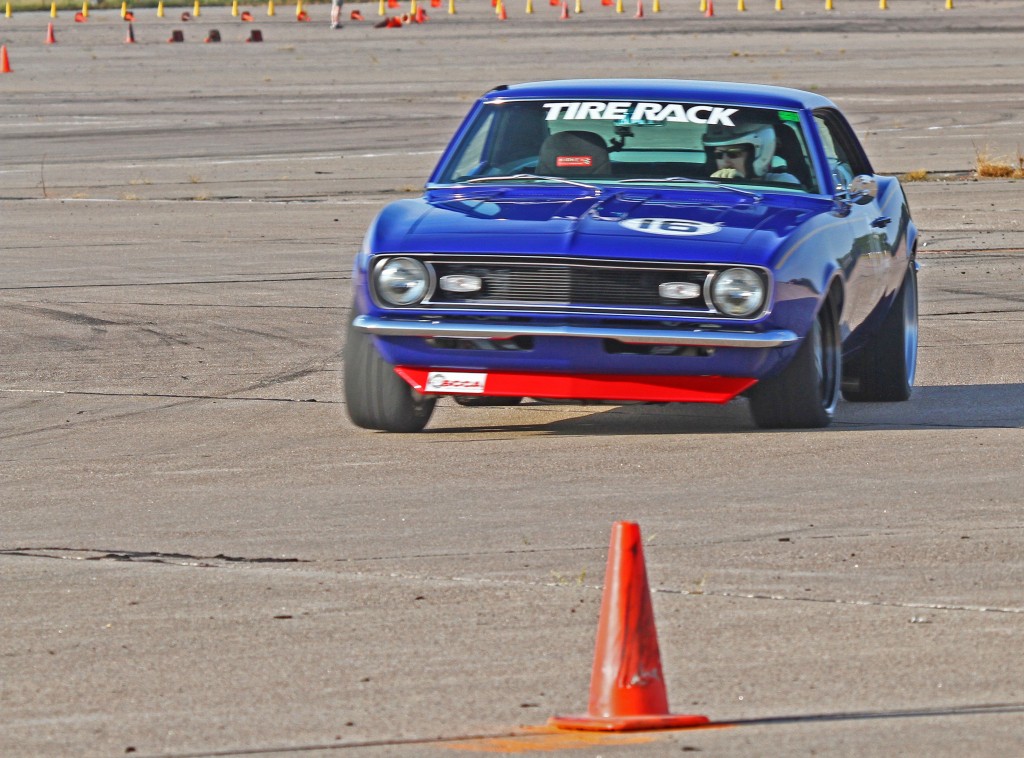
(688, 337)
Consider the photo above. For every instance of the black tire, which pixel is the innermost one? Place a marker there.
(477, 401)
(375, 396)
(884, 369)
(805, 394)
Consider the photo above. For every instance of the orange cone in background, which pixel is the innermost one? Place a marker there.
(50, 39)
(80, 18)
(421, 15)
(435, 3)
(5, 63)
(627, 687)
(502, 13)
(711, 9)
(246, 16)
(356, 15)
(639, 9)
(565, 11)
(129, 16)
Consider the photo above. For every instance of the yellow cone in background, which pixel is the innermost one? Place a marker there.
(195, 9)
(451, 7)
(412, 8)
(234, 7)
(579, 6)
(85, 8)
(270, 8)
(949, 5)
(124, 8)
(828, 5)
(703, 6)
(53, 9)
(160, 9)
(741, 6)
(656, 6)
(618, 7)
(7, 10)
(298, 9)
(381, 8)
(883, 5)
(529, 6)
(778, 5)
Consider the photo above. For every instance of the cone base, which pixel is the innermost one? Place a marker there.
(586, 722)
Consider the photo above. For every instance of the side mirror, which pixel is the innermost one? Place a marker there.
(862, 190)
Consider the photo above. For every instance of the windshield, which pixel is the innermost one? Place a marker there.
(611, 141)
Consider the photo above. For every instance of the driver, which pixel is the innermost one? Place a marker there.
(745, 152)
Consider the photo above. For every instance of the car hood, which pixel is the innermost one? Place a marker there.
(711, 225)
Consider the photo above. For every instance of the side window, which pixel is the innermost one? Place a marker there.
(838, 159)
(846, 156)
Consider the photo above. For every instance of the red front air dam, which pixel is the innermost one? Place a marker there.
(642, 387)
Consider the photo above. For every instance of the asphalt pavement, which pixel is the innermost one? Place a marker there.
(201, 556)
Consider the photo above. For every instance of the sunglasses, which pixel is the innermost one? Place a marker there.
(732, 152)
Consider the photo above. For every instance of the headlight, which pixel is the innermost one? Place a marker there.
(737, 292)
(401, 281)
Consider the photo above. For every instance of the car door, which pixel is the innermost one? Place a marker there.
(866, 261)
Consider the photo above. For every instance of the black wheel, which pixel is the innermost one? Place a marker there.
(477, 401)
(884, 369)
(375, 396)
(805, 394)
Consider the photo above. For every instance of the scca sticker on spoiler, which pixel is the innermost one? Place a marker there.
(675, 227)
(634, 113)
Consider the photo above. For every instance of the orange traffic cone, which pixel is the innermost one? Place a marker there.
(639, 8)
(565, 11)
(435, 3)
(627, 688)
(356, 16)
(80, 18)
(502, 13)
(5, 63)
(245, 16)
(129, 16)
(50, 39)
(129, 38)
(711, 9)
(421, 15)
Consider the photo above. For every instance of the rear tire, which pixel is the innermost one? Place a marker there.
(375, 396)
(884, 369)
(805, 394)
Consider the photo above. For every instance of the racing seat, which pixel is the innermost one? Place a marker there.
(787, 147)
(574, 153)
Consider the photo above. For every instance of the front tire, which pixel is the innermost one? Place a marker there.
(884, 369)
(375, 396)
(805, 394)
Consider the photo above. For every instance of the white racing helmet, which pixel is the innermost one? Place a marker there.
(760, 136)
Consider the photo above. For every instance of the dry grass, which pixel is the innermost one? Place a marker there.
(991, 167)
(918, 175)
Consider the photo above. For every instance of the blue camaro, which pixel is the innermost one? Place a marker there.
(639, 240)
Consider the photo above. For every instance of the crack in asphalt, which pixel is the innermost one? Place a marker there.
(140, 556)
(322, 278)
